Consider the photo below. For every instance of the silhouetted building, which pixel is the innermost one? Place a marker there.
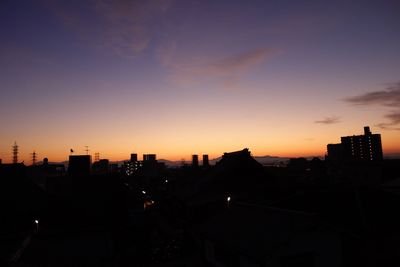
(133, 165)
(236, 173)
(367, 147)
(114, 168)
(46, 174)
(335, 152)
(101, 167)
(206, 163)
(298, 163)
(149, 157)
(79, 165)
(195, 160)
(130, 167)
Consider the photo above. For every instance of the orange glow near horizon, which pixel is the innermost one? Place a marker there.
(121, 150)
(175, 79)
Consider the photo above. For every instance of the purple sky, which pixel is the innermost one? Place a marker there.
(182, 77)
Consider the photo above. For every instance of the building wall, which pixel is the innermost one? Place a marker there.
(79, 165)
(363, 147)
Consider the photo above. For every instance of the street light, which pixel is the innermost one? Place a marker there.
(228, 199)
(144, 192)
(37, 225)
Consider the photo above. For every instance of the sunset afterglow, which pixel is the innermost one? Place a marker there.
(176, 78)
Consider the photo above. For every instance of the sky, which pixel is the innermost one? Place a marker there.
(183, 77)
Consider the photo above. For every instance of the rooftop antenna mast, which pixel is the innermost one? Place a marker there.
(34, 157)
(15, 152)
(87, 150)
(96, 156)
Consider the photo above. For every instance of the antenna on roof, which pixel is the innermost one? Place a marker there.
(87, 150)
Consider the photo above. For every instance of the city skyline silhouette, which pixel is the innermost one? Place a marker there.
(199, 133)
(15, 154)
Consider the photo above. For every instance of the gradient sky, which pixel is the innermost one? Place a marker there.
(186, 77)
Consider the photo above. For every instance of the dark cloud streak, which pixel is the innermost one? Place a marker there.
(385, 98)
(329, 120)
(389, 97)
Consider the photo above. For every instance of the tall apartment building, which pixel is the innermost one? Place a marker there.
(366, 147)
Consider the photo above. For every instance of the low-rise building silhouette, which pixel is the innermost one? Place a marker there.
(133, 157)
(79, 165)
(149, 157)
(101, 167)
(195, 160)
(206, 162)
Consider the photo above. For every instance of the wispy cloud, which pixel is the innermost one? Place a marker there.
(120, 25)
(240, 62)
(388, 98)
(328, 120)
(394, 121)
(227, 69)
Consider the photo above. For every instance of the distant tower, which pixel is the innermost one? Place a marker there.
(96, 156)
(87, 150)
(133, 157)
(206, 163)
(195, 160)
(34, 157)
(15, 153)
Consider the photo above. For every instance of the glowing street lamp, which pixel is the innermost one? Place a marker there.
(144, 192)
(228, 200)
(36, 225)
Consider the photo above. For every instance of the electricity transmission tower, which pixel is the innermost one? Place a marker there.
(15, 153)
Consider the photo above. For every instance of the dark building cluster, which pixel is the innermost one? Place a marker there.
(229, 211)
